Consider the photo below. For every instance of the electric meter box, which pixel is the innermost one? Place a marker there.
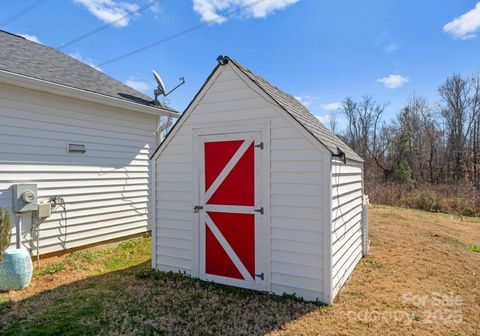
(24, 197)
(44, 210)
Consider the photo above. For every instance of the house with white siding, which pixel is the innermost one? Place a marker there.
(79, 140)
(251, 190)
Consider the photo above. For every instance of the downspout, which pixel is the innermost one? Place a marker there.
(153, 205)
(327, 204)
(365, 205)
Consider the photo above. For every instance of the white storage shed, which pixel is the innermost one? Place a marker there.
(78, 138)
(251, 190)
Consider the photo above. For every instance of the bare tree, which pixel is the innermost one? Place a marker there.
(353, 133)
(366, 133)
(460, 108)
(430, 143)
(416, 122)
(433, 141)
(380, 147)
(333, 122)
(361, 118)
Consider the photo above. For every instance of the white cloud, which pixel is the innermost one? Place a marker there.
(393, 81)
(267, 7)
(312, 103)
(390, 48)
(138, 85)
(87, 61)
(209, 9)
(156, 9)
(306, 101)
(32, 38)
(385, 41)
(331, 106)
(109, 10)
(465, 26)
(382, 38)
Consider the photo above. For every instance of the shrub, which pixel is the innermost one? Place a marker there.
(402, 173)
(4, 232)
(462, 200)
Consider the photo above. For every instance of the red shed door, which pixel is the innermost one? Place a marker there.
(231, 211)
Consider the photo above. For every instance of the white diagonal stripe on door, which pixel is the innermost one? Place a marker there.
(228, 249)
(228, 168)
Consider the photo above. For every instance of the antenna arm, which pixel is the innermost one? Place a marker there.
(182, 81)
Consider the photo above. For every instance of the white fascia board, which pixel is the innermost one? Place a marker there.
(31, 83)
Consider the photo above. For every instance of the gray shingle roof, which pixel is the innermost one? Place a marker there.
(21, 56)
(301, 114)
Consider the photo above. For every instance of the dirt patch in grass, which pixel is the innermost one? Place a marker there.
(422, 277)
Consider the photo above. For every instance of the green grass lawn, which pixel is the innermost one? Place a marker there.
(112, 291)
(117, 293)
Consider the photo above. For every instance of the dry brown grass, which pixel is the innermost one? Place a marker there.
(413, 253)
(459, 199)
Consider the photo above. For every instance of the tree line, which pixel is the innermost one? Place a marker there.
(427, 142)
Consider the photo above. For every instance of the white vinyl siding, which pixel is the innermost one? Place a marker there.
(347, 206)
(296, 189)
(106, 189)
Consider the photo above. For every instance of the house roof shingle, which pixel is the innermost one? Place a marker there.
(301, 114)
(21, 56)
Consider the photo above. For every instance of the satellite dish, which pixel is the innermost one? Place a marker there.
(160, 86)
(160, 90)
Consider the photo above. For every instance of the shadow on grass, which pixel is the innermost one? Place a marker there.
(138, 301)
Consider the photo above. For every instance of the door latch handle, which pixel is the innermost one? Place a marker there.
(197, 208)
(261, 276)
(260, 210)
(260, 145)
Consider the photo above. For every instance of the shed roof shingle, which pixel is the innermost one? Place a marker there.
(21, 56)
(301, 114)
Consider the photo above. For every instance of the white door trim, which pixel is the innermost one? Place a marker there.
(225, 132)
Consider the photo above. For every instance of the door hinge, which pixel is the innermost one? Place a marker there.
(260, 210)
(260, 145)
(197, 208)
(261, 276)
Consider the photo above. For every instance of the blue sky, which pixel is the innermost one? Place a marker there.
(320, 51)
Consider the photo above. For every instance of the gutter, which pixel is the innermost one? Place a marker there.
(31, 83)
